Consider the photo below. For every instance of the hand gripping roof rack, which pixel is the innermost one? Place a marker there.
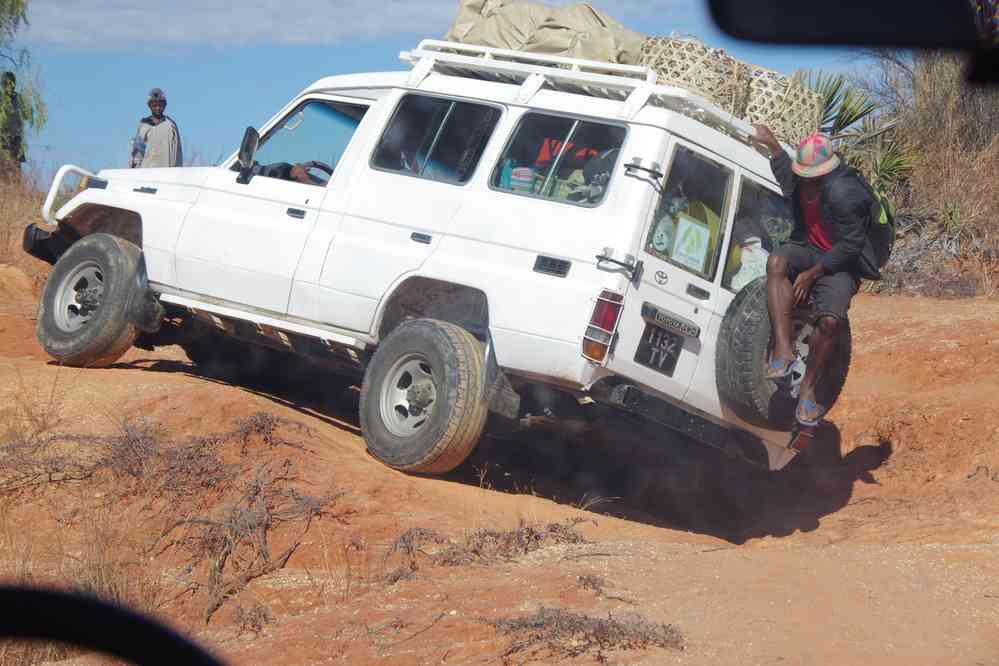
(636, 86)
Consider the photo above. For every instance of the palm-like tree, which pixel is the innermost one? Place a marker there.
(859, 130)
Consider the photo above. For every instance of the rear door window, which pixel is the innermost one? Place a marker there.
(436, 138)
(560, 158)
(763, 220)
(690, 220)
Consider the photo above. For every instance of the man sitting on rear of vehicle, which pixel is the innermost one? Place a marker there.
(826, 257)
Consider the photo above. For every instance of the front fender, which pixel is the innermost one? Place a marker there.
(43, 244)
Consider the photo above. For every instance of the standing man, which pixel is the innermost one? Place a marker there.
(827, 255)
(157, 141)
(11, 130)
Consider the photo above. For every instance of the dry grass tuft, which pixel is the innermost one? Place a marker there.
(110, 566)
(596, 584)
(267, 427)
(29, 653)
(252, 618)
(482, 546)
(492, 545)
(555, 634)
(21, 205)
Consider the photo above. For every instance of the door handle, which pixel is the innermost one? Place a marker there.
(296, 213)
(421, 238)
(698, 293)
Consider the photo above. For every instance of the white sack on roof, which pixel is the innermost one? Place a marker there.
(511, 26)
(575, 31)
(470, 12)
(580, 31)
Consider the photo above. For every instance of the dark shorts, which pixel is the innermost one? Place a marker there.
(830, 293)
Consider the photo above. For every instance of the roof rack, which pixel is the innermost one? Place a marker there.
(636, 86)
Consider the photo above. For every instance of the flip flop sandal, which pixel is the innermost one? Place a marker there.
(809, 413)
(778, 369)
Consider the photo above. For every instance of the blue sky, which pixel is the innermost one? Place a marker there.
(225, 66)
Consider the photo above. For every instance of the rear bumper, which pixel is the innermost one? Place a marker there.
(733, 441)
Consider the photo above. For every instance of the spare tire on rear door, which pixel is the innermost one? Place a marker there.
(744, 346)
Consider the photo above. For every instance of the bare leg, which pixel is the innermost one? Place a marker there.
(820, 347)
(780, 298)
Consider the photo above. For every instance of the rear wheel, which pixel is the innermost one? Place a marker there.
(744, 345)
(82, 313)
(422, 404)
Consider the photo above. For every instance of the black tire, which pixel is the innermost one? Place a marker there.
(743, 349)
(458, 413)
(93, 337)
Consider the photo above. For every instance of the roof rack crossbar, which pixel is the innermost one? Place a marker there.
(573, 64)
(635, 86)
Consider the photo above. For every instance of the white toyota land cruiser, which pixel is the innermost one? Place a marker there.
(489, 226)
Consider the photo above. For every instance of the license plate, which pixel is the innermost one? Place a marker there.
(659, 349)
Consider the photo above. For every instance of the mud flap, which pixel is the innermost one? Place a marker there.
(500, 395)
(144, 308)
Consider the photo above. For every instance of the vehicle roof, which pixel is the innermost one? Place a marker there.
(679, 124)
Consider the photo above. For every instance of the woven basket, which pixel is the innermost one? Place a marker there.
(690, 64)
(788, 108)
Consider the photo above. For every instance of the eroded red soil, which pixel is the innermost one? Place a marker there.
(880, 546)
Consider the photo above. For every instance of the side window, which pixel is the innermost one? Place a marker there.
(317, 131)
(689, 222)
(763, 220)
(436, 138)
(560, 158)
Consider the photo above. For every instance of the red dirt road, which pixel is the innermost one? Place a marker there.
(881, 546)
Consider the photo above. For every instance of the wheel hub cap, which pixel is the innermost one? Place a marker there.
(79, 296)
(408, 396)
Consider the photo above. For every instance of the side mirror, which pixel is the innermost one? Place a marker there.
(248, 148)
(247, 151)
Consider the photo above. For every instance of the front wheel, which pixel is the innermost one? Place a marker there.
(82, 318)
(423, 404)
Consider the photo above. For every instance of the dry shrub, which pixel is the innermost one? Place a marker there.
(219, 514)
(266, 426)
(596, 584)
(950, 200)
(21, 205)
(252, 618)
(482, 546)
(230, 548)
(955, 128)
(556, 634)
(492, 545)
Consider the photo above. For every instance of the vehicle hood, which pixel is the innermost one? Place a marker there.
(189, 176)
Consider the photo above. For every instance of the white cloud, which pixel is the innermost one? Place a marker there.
(119, 23)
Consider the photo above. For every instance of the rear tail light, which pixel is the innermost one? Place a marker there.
(603, 325)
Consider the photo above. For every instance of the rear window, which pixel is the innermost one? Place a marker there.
(435, 138)
(559, 158)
